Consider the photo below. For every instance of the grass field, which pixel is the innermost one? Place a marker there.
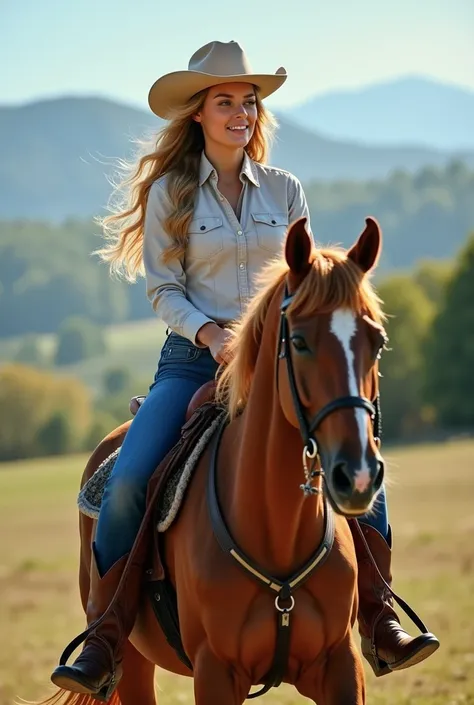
(431, 505)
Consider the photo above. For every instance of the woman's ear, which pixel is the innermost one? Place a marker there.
(197, 117)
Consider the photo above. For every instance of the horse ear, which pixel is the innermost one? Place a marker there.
(298, 248)
(366, 251)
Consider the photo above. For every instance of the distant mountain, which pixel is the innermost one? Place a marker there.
(56, 155)
(412, 110)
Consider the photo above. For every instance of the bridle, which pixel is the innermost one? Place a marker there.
(308, 428)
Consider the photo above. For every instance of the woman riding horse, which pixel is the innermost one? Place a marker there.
(203, 213)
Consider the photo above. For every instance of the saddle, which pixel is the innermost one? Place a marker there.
(204, 394)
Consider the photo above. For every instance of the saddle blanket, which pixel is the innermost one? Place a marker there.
(90, 497)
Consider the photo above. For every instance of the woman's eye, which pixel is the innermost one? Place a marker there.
(299, 343)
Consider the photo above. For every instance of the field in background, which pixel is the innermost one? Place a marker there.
(430, 504)
(135, 345)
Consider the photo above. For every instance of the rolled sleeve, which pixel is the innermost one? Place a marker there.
(166, 282)
(297, 204)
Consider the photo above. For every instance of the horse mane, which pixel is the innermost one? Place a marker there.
(333, 281)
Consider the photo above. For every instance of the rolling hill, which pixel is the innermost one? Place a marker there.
(410, 110)
(57, 155)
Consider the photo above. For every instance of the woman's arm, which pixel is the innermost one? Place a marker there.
(166, 282)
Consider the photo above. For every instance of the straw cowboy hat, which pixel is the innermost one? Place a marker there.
(214, 63)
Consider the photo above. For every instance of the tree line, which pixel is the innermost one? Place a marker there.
(48, 274)
(427, 385)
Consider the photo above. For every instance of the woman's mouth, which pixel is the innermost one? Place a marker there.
(239, 129)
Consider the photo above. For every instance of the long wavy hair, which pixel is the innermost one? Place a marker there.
(176, 152)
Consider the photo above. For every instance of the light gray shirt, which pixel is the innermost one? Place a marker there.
(215, 279)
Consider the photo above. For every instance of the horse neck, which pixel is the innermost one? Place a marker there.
(268, 511)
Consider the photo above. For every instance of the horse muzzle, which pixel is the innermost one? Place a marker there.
(351, 485)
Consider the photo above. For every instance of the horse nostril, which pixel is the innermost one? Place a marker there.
(379, 476)
(342, 479)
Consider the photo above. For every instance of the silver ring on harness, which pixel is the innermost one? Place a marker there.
(284, 609)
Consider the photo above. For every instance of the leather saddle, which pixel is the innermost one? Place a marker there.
(204, 394)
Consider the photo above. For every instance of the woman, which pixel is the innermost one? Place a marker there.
(204, 215)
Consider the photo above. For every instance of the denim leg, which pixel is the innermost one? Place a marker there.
(151, 435)
(378, 517)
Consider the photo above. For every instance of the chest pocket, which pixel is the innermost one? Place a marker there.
(205, 238)
(271, 230)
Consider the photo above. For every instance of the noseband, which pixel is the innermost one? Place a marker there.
(308, 428)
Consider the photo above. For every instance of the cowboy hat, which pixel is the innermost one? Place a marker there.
(212, 64)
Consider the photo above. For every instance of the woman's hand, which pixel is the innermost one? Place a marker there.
(217, 340)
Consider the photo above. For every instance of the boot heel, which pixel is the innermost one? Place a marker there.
(379, 667)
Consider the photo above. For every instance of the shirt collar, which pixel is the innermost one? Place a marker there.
(248, 169)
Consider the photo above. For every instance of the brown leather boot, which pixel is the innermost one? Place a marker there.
(97, 670)
(385, 644)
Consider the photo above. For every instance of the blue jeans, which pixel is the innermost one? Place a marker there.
(182, 369)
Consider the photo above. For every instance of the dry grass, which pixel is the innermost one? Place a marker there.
(431, 510)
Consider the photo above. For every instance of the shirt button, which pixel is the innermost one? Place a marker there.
(239, 232)
(241, 265)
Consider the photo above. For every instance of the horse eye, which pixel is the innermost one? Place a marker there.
(299, 343)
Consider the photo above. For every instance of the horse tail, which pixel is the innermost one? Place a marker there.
(65, 697)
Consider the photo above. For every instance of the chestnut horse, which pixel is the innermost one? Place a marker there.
(299, 392)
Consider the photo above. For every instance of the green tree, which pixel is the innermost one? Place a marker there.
(78, 339)
(31, 403)
(433, 277)
(29, 351)
(450, 348)
(117, 380)
(401, 365)
(56, 436)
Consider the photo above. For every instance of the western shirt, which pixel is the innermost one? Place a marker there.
(215, 279)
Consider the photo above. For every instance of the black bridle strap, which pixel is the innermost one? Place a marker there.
(307, 430)
(348, 402)
(228, 545)
(284, 352)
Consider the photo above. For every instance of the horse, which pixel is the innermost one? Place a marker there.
(295, 459)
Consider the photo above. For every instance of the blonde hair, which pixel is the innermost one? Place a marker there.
(334, 281)
(175, 151)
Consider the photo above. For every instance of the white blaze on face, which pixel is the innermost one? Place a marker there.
(344, 327)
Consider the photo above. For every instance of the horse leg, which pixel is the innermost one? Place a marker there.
(214, 682)
(342, 681)
(137, 685)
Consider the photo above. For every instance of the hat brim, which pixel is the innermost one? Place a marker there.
(174, 89)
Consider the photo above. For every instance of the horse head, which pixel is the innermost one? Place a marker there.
(330, 340)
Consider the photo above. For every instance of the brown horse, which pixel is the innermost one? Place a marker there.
(298, 391)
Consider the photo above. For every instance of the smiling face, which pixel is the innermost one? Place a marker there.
(228, 115)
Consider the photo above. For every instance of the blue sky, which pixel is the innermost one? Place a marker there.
(117, 48)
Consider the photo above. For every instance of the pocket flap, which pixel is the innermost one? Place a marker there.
(273, 219)
(204, 225)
